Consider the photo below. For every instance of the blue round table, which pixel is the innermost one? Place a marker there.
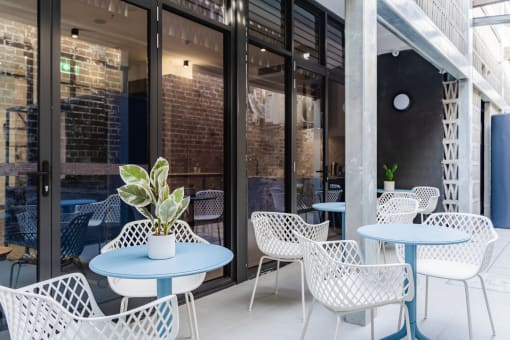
(381, 191)
(412, 235)
(334, 207)
(133, 263)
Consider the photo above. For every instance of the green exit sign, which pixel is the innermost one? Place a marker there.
(65, 67)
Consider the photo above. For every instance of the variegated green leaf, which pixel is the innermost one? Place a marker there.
(167, 210)
(178, 194)
(133, 174)
(160, 162)
(135, 195)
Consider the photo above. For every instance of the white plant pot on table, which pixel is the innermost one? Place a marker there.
(161, 247)
(389, 185)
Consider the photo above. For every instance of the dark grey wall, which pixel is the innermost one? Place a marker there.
(412, 138)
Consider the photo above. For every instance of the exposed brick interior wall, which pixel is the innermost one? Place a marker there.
(193, 129)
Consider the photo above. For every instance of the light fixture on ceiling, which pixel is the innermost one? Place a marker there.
(306, 55)
(263, 49)
(75, 33)
(395, 53)
(185, 64)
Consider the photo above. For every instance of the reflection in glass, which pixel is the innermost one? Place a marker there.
(307, 34)
(103, 123)
(265, 138)
(19, 149)
(193, 116)
(309, 143)
(267, 21)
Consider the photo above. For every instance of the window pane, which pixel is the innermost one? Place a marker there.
(267, 21)
(265, 138)
(212, 9)
(335, 46)
(306, 34)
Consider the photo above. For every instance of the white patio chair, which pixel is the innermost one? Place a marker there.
(274, 233)
(396, 211)
(209, 211)
(135, 233)
(332, 196)
(107, 211)
(427, 199)
(339, 281)
(459, 262)
(64, 308)
(386, 196)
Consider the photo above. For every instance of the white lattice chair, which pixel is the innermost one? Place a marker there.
(462, 261)
(388, 195)
(274, 233)
(427, 199)
(64, 308)
(338, 280)
(209, 211)
(396, 211)
(136, 233)
(332, 196)
(107, 211)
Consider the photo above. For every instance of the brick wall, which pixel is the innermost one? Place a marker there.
(192, 129)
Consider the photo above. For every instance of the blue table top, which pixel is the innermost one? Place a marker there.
(330, 206)
(133, 263)
(380, 191)
(77, 201)
(418, 234)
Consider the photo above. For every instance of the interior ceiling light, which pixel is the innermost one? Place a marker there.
(263, 50)
(75, 33)
(185, 64)
(306, 55)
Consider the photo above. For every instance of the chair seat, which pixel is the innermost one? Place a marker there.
(148, 288)
(283, 250)
(447, 269)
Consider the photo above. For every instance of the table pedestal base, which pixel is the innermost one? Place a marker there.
(402, 334)
(164, 287)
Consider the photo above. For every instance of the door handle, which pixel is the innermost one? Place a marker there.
(44, 173)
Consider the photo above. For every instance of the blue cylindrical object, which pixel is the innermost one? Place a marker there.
(500, 170)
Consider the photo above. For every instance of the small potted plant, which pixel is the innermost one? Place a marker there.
(150, 194)
(389, 177)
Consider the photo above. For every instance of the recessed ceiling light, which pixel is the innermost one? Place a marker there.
(263, 50)
(306, 55)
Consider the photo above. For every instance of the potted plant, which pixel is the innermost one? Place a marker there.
(150, 194)
(389, 177)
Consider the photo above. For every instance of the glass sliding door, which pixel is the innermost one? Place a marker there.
(265, 138)
(193, 121)
(310, 170)
(104, 119)
(19, 142)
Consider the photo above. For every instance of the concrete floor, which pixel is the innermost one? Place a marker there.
(224, 315)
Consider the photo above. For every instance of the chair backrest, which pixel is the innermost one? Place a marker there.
(427, 198)
(113, 211)
(107, 211)
(477, 251)
(337, 279)
(274, 231)
(386, 196)
(64, 308)
(278, 196)
(397, 210)
(73, 236)
(210, 207)
(136, 233)
(332, 196)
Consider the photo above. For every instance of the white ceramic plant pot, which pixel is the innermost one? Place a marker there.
(161, 247)
(389, 185)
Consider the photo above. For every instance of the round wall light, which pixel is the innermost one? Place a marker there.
(401, 102)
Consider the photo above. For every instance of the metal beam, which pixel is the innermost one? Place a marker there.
(492, 20)
(480, 3)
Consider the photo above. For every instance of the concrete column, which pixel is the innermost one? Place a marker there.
(361, 114)
(361, 124)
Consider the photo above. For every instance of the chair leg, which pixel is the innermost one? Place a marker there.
(408, 324)
(421, 215)
(276, 281)
(188, 310)
(400, 315)
(303, 288)
(426, 297)
(383, 245)
(124, 304)
(219, 234)
(487, 304)
(256, 282)
(15, 283)
(466, 288)
(307, 321)
(372, 331)
(194, 311)
(337, 327)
